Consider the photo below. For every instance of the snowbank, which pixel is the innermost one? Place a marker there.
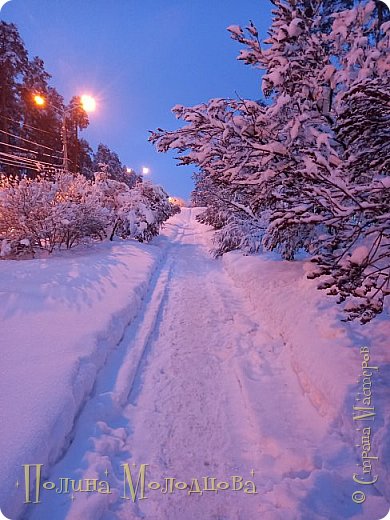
(60, 317)
(324, 354)
(308, 324)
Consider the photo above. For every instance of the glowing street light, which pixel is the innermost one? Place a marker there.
(39, 100)
(145, 170)
(88, 104)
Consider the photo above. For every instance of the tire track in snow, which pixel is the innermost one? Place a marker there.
(207, 406)
(97, 439)
(189, 420)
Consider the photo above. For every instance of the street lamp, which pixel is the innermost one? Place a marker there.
(87, 103)
(39, 100)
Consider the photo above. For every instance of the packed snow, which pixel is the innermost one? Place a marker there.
(161, 355)
(60, 318)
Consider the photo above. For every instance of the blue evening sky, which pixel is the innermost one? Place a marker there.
(139, 58)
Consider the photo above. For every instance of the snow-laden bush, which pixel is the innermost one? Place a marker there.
(146, 208)
(240, 233)
(47, 214)
(136, 212)
(65, 210)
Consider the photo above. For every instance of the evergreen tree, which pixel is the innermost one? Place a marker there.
(13, 64)
(31, 135)
(356, 259)
(41, 126)
(85, 158)
(76, 120)
(105, 158)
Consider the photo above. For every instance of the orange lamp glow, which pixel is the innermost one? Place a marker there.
(39, 100)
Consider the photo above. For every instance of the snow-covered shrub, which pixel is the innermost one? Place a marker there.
(47, 214)
(78, 212)
(136, 212)
(239, 233)
(144, 211)
(64, 209)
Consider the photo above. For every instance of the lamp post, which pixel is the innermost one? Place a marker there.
(87, 103)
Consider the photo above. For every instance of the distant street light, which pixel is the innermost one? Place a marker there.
(87, 103)
(145, 170)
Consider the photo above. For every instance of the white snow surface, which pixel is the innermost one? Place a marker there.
(59, 318)
(225, 367)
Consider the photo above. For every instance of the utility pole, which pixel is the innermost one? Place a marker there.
(64, 143)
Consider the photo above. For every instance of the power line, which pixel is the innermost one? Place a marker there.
(30, 151)
(20, 162)
(25, 159)
(26, 125)
(27, 140)
(26, 166)
(18, 165)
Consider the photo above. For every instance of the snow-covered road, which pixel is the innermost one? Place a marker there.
(196, 388)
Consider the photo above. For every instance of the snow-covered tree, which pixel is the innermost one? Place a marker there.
(309, 170)
(227, 140)
(356, 259)
(109, 160)
(341, 204)
(354, 262)
(263, 157)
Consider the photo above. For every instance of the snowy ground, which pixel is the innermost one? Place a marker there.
(59, 319)
(236, 367)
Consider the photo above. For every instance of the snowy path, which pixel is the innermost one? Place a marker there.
(194, 389)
